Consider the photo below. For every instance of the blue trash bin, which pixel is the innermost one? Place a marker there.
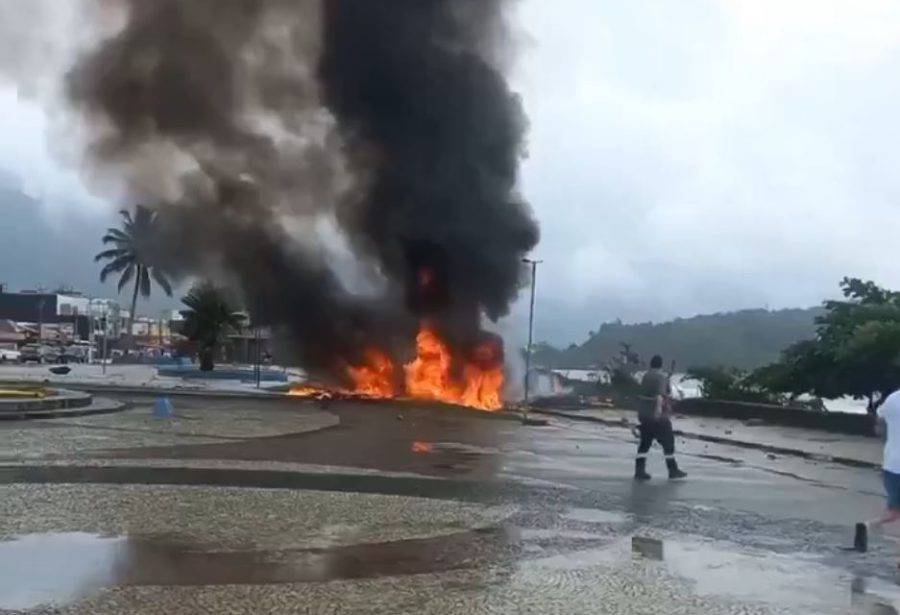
(162, 408)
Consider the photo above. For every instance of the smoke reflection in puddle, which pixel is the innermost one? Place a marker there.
(40, 568)
(64, 567)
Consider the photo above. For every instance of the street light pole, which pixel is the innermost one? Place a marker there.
(105, 341)
(40, 321)
(90, 330)
(258, 358)
(534, 265)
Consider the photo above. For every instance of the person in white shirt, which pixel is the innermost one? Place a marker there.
(889, 421)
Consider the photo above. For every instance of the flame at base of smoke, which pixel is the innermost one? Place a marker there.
(430, 376)
(376, 377)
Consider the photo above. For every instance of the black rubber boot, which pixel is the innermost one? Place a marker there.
(674, 472)
(640, 469)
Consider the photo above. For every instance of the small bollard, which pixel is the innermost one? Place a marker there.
(651, 548)
(162, 408)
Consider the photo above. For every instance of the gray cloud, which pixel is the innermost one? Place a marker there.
(702, 156)
(692, 157)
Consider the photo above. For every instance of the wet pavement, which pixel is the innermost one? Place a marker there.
(404, 508)
(134, 427)
(850, 449)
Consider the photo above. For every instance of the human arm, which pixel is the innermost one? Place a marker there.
(885, 411)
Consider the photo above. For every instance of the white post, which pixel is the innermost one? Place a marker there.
(105, 338)
(533, 264)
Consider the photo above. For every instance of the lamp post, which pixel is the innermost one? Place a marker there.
(258, 358)
(91, 330)
(105, 340)
(40, 305)
(533, 264)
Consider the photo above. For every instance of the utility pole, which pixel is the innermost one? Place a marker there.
(534, 265)
(258, 358)
(106, 328)
(161, 315)
(40, 321)
(105, 340)
(90, 329)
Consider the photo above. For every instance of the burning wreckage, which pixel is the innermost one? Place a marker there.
(268, 132)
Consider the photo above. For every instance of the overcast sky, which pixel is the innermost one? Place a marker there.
(685, 157)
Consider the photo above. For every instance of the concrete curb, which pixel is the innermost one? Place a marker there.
(856, 463)
(55, 399)
(100, 405)
(143, 390)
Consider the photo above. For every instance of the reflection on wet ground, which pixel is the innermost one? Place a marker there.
(59, 567)
(62, 567)
(65, 567)
(869, 596)
(793, 581)
(595, 516)
(453, 457)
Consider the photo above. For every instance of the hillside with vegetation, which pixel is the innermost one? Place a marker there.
(746, 339)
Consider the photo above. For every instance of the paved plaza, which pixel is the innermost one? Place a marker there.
(287, 506)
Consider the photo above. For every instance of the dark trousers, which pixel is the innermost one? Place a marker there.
(659, 430)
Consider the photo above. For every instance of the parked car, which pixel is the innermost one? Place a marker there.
(69, 355)
(39, 353)
(9, 354)
(81, 352)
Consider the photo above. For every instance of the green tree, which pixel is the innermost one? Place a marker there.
(208, 320)
(132, 256)
(856, 351)
(623, 383)
(730, 385)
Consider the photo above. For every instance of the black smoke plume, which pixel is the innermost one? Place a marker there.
(392, 119)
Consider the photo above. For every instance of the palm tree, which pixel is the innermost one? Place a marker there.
(131, 257)
(208, 320)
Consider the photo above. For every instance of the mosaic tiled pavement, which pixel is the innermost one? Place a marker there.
(399, 509)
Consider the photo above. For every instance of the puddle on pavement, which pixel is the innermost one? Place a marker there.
(61, 568)
(868, 596)
(777, 579)
(724, 570)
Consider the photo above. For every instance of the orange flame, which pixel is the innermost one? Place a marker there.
(484, 377)
(431, 375)
(422, 447)
(483, 389)
(375, 378)
(310, 392)
(428, 375)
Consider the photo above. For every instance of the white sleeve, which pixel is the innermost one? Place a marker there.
(887, 406)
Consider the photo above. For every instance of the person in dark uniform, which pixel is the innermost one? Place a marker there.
(654, 409)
